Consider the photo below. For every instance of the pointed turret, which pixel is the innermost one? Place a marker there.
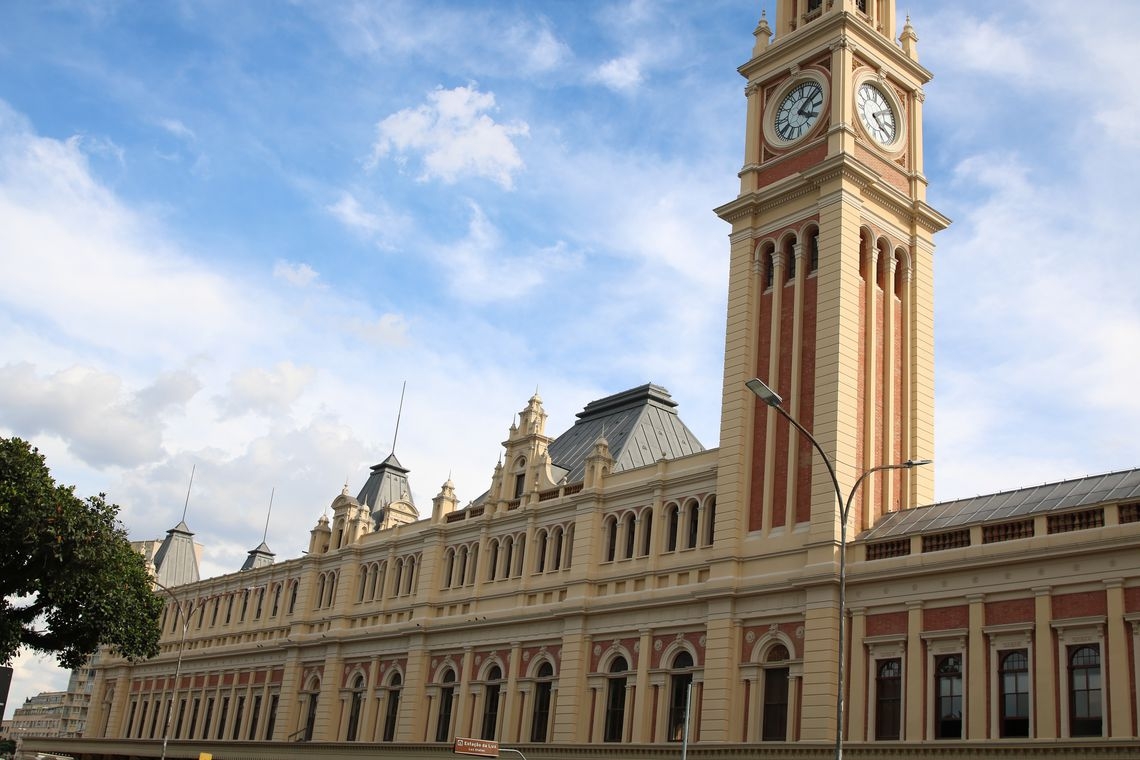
(444, 503)
(388, 494)
(259, 557)
(176, 561)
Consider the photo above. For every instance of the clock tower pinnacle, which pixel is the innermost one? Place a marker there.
(830, 296)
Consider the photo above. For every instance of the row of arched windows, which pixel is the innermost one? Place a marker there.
(489, 687)
(686, 525)
(790, 253)
(233, 607)
(374, 582)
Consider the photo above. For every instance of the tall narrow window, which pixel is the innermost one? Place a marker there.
(680, 682)
(222, 713)
(814, 248)
(293, 596)
(254, 715)
(630, 526)
(392, 709)
(354, 708)
(611, 538)
(239, 709)
(693, 515)
(615, 701)
(646, 532)
(181, 716)
(888, 699)
(276, 600)
(131, 718)
(206, 719)
(556, 552)
(673, 515)
(710, 521)
(1084, 692)
(446, 697)
(493, 565)
(508, 552)
(1014, 679)
(271, 718)
(491, 703)
(775, 727)
(540, 560)
(311, 716)
(543, 688)
(948, 697)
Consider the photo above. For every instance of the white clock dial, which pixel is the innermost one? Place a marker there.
(799, 110)
(876, 114)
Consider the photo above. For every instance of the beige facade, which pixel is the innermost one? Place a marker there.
(579, 600)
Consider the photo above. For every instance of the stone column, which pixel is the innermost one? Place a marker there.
(915, 696)
(1115, 665)
(1044, 666)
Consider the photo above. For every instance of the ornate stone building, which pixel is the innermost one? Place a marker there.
(612, 568)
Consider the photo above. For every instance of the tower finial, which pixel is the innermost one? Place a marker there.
(399, 412)
(269, 512)
(186, 504)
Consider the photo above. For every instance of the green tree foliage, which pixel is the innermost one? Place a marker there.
(69, 580)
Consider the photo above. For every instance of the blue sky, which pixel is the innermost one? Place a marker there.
(229, 232)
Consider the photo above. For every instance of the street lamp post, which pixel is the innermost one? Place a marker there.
(185, 613)
(772, 399)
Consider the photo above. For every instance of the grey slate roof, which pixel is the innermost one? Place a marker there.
(1113, 487)
(176, 561)
(259, 557)
(388, 482)
(641, 426)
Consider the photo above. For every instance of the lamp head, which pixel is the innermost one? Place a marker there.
(766, 394)
(917, 462)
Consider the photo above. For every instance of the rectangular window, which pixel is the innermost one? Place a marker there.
(238, 710)
(888, 698)
(948, 697)
(1085, 715)
(206, 719)
(222, 717)
(253, 716)
(1013, 680)
(271, 718)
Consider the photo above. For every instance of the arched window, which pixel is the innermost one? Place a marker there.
(680, 682)
(492, 566)
(614, 728)
(410, 576)
(646, 532)
(1013, 676)
(314, 692)
(392, 708)
(543, 688)
(888, 699)
(813, 251)
(363, 583)
(276, 602)
(948, 697)
(461, 576)
(673, 516)
(398, 574)
(556, 554)
(710, 521)
(508, 555)
(355, 705)
(491, 703)
(611, 539)
(446, 698)
(629, 525)
(293, 596)
(449, 568)
(775, 727)
(540, 560)
(790, 257)
(1085, 715)
(692, 515)
(520, 556)
(244, 605)
(378, 572)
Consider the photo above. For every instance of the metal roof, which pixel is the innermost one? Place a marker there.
(641, 426)
(1066, 495)
(388, 482)
(176, 561)
(259, 557)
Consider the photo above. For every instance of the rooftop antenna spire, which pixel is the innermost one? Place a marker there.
(186, 504)
(270, 512)
(399, 413)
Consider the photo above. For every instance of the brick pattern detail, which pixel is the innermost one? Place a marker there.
(661, 644)
(602, 646)
(1079, 605)
(1132, 599)
(886, 623)
(1011, 611)
(945, 618)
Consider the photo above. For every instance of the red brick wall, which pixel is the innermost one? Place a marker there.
(1012, 611)
(944, 618)
(886, 623)
(1079, 605)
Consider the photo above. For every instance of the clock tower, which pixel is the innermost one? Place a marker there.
(830, 301)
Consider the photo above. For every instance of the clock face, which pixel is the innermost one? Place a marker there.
(876, 113)
(799, 110)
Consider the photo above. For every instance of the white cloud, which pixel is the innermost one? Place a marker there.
(91, 411)
(454, 137)
(178, 129)
(388, 330)
(266, 391)
(300, 274)
(620, 74)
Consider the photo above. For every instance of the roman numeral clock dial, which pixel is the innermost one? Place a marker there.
(876, 114)
(799, 110)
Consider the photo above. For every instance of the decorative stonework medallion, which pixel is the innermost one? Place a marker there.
(799, 631)
(750, 637)
(657, 645)
(702, 640)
